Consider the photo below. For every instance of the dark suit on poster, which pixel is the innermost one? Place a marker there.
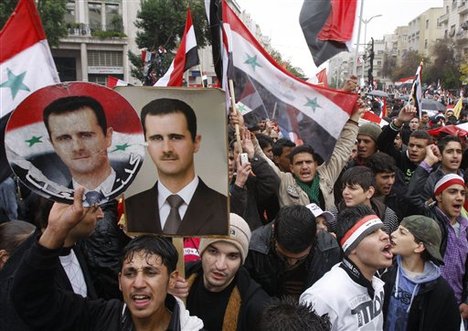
(206, 214)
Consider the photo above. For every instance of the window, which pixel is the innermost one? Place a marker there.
(425, 43)
(70, 14)
(105, 59)
(113, 19)
(427, 24)
(95, 12)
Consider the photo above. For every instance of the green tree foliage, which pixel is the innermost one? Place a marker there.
(409, 65)
(464, 71)
(161, 23)
(389, 64)
(52, 14)
(445, 67)
(286, 64)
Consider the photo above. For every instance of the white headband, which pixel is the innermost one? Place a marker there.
(359, 230)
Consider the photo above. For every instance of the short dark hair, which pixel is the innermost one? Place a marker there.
(295, 228)
(350, 216)
(381, 163)
(165, 106)
(302, 149)
(287, 314)
(280, 144)
(442, 143)
(358, 175)
(73, 103)
(152, 245)
(264, 140)
(421, 134)
(13, 233)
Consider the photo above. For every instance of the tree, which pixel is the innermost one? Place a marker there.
(161, 23)
(52, 14)
(464, 71)
(389, 65)
(445, 67)
(409, 65)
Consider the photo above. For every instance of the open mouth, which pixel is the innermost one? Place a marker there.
(387, 251)
(141, 300)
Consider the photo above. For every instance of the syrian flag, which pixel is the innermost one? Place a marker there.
(327, 26)
(322, 77)
(314, 114)
(186, 57)
(405, 80)
(114, 81)
(370, 116)
(416, 95)
(26, 64)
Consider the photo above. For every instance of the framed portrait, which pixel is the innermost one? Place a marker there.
(183, 161)
(75, 134)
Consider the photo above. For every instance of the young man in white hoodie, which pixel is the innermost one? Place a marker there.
(350, 293)
(416, 295)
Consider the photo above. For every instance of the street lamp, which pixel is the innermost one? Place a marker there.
(365, 21)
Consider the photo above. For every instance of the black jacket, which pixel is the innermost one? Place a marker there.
(434, 308)
(103, 251)
(8, 316)
(45, 307)
(385, 144)
(268, 270)
(253, 297)
(259, 188)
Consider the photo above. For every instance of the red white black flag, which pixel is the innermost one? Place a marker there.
(327, 26)
(186, 57)
(314, 114)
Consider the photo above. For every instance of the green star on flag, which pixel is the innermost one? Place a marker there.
(122, 147)
(312, 103)
(252, 61)
(15, 83)
(34, 140)
(241, 108)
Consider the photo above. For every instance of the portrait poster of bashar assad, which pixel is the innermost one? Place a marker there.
(183, 186)
(75, 134)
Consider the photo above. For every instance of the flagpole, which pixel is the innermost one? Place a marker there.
(234, 110)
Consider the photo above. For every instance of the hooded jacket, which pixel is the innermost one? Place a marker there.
(423, 302)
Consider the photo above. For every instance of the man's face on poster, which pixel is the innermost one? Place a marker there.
(170, 144)
(79, 141)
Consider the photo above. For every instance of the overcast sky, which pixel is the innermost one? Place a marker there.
(279, 19)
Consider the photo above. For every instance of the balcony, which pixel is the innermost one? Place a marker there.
(462, 8)
(87, 30)
(443, 19)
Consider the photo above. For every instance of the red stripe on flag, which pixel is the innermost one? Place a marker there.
(339, 25)
(343, 100)
(22, 30)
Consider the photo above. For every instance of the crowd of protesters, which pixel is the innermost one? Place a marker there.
(375, 238)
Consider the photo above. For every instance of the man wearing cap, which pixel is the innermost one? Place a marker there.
(288, 255)
(449, 195)
(322, 218)
(350, 293)
(367, 142)
(416, 295)
(220, 290)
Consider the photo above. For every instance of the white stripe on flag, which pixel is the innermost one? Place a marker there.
(289, 90)
(37, 65)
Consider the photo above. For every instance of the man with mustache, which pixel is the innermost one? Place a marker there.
(79, 133)
(180, 202)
